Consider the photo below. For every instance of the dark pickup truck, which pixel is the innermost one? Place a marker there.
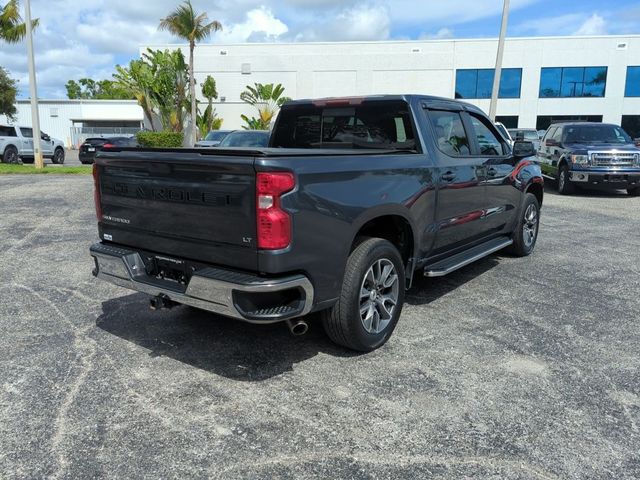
(352, 197)
(594, 155)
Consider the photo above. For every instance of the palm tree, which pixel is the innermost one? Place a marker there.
(12, 28)
(267, 98)
(184, 23)
(210, 92)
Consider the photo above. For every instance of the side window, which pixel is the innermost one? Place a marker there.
(487, 140)
(7, 132)
(550, 133)
(450, 134)
(26, 132)
(557, 135)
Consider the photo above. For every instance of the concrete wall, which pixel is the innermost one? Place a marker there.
(362, 68)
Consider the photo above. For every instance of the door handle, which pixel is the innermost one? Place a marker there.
(448, 176)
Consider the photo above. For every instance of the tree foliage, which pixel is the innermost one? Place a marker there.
(12, 28)
(158, 81)
(87, 88)
(267, 99)
(8, 92)
(208, 121)
(183, 22)
(210, 92)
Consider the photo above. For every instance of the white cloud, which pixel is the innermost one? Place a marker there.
(260, 24)
(594, 25)
(440, 34)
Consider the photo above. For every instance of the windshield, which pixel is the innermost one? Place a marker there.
(215, 136)
(246, 139)
(379, 124)
(595, 134)
(524, 134)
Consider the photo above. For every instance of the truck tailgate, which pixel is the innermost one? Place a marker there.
(182, 204)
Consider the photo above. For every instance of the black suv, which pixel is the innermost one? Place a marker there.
(588, 154)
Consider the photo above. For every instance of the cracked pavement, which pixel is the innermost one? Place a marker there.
(509, 368)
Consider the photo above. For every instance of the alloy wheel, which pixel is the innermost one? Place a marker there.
(379, 295)
(530, 225)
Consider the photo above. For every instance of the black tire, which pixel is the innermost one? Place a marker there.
(526, 233)
(10, 155)
(343, 322)
(58, 156)
(565, 187)
(634, 192)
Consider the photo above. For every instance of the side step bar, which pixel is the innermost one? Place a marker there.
(462, 259)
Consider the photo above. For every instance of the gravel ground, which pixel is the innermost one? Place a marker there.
(509, 368)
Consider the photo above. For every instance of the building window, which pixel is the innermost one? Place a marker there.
(632, 88)
(573, 82)
(478, 83)
(509, 121)
(543, 121)
(631, 125)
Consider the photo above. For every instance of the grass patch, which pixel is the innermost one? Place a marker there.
(8, 169)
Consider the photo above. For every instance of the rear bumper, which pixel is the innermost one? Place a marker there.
(613, 179)
(231, 293)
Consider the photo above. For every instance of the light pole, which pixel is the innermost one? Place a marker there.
(33, 91)
(498, 70)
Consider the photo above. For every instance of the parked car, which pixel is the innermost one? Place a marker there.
(505, 133)
(91, 146)
(353, 197)
(528, 134)
(16, 145)
(213, 138)
(245, 138)
(584, 154)
(541, 134)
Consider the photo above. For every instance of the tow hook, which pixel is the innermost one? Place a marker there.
(161, 301)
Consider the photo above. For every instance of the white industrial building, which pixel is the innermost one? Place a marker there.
(544, 79)
(74, 120)
(435, 67)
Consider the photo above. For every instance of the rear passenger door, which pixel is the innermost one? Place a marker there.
(502, 196)
(460, 177)
(26, 139)
(549, 149)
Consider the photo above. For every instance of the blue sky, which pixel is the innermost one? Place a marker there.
(86, 38)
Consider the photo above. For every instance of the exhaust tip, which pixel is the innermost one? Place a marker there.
(297, 327)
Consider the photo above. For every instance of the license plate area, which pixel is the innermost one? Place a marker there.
(168, 269)
(616, 178)
(91, 149)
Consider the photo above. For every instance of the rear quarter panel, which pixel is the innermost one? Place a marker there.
(334, 197)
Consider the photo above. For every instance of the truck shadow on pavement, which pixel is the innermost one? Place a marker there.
(426, 290)
(224, 346)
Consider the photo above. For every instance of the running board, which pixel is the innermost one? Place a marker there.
(462, 259)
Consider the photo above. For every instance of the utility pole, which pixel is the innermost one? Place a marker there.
(498, 71)
(33, 91)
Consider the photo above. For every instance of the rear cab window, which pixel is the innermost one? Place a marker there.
(8, 132)
(383, 125)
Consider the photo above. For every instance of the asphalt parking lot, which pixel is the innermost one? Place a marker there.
(509, 368)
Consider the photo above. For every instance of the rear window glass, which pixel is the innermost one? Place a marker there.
(96, 141)
(384, 125)
(215, 136)
(526, 134)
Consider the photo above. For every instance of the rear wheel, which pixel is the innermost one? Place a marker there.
(526, 232)
(565, 187)
(10, 155)
(371, 299)
(58, 156)
(634, 192)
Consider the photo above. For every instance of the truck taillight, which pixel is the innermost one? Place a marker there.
(274, 224)
(96, 192)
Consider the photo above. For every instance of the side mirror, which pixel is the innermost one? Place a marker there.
(551, 143)
(523, 148)
(45, 137)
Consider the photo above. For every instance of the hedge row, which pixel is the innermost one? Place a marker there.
(160, 139)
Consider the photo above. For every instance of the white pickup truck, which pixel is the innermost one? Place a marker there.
(16, 145)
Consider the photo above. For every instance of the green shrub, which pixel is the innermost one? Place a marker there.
(160, 139)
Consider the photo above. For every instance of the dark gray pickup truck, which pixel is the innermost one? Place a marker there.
(350, 200)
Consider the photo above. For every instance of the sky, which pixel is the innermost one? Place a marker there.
(87, 38)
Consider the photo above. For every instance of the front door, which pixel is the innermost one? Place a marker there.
(503, 198)
(460, 177)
